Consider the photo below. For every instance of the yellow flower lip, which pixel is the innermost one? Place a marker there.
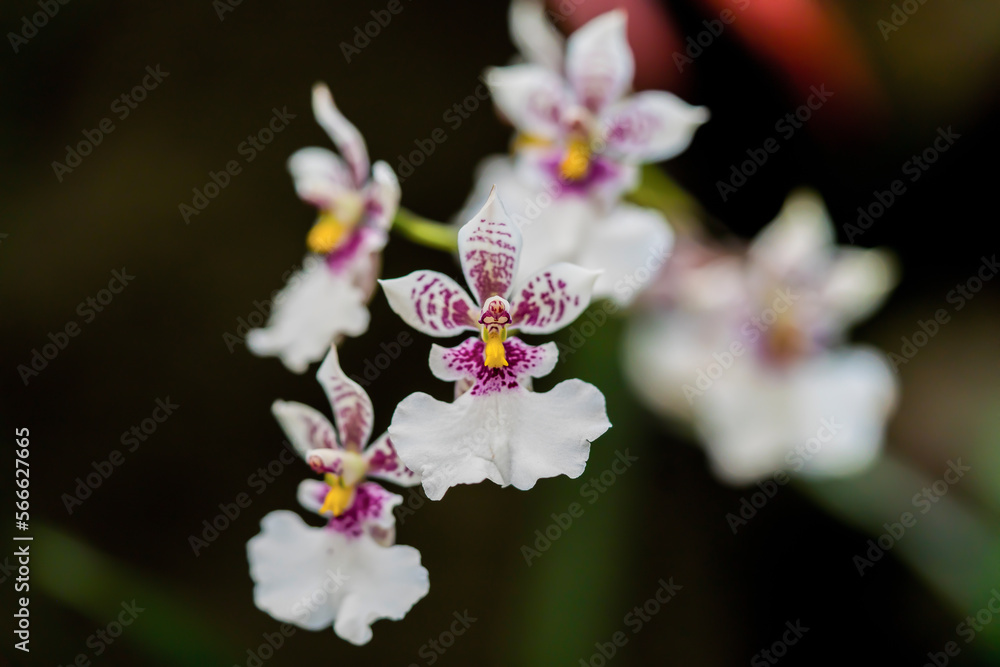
(576, 163)
(326, 234)
(494, 319)
(494, 355)
(338, 498)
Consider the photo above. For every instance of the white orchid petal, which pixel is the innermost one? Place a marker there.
(489, 247)
(316, 307)
(651, 126)
(534, 35)
(599, 61)
(347, 138)
(384, 463)
(858, 283)
(800, 239)
(321, 177)
(311, 494)
(307, 429)
(631, 245)
(352, 408)
(552, 298)
(384, 194)
(532, 97)
(315, 577)
(514, 437)
(754, 417)
(431, 303)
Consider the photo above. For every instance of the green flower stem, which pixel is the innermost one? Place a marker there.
(430, 233)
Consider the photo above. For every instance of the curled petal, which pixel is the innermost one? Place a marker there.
(317, 306)
(858, 283)
(383, 194)
(311, 494)
(513, 437)
(599, 62)
(342, 132)
(352, 408)
(535, 37)
(321, 177)
(651, 126)
(532, 97)
(307, 429)
(384, 463)
(799, 239)
(552, 298)
(315, 577)
(489, 246)
(431, 302)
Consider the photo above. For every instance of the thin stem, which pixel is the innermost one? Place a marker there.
(430, 233)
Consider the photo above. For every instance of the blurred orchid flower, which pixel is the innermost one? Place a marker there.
(497, 428)
(577, 125)
(349, 573)
(328, 298)
(749, 350)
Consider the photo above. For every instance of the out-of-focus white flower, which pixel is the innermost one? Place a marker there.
(328, 298)
(349, 573)
(497, 428)
(749, 349)
(577, 125)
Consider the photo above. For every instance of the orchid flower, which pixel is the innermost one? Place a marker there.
(577, 125)
(751, 351)
(348, 573)
(497, 428)
(328, 298)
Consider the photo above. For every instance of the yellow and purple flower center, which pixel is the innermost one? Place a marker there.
(494, 319)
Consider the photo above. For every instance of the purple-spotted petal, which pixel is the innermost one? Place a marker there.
(599, 62)
(352, 409)
(320, 176)
(552, 298)
(306, 428)
(489, 246)
(432, 303)
(382, 197)
(311, 494)
(342, 132)
(384, 463)
(464, 362)
(532, 97)
(372, 506)
(651, 126)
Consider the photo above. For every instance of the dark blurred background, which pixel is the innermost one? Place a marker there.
(164, 335)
